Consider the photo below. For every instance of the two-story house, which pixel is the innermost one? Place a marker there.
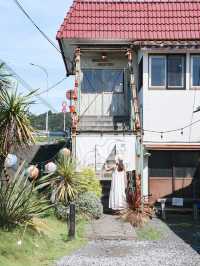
(137, 68)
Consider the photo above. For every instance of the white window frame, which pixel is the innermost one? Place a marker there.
(150, 62)
(183, 73)
(191, 71)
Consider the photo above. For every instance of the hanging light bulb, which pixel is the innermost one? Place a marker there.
(182, 131)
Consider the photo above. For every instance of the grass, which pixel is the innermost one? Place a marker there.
(39, 249)
(149, 232)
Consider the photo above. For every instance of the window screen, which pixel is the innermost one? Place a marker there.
(175, 71)
(99, 80)
(195, 65)
(158, 71)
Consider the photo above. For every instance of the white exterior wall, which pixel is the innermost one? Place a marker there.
(170, 109)
(166, 110)
(94, 150)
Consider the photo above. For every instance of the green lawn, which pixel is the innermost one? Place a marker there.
(39, 249)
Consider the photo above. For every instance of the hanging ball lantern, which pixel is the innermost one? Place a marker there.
(33, 172)
(70, 95)
(11, 161)
(72, 109)
(65, 152)
(50, 168)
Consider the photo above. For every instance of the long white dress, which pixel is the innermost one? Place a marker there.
(117, 199)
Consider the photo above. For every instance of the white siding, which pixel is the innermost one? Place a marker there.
(170, 109)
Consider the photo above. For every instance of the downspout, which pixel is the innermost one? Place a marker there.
(139, 134)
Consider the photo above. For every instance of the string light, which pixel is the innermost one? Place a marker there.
(173, 130)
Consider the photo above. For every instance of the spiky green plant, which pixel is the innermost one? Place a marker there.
(19, 201)
(64, 182)
(15, 127)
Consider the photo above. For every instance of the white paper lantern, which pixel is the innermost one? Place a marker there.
(50, 168)
(11, 161)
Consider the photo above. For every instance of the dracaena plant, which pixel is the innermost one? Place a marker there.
(19, 201)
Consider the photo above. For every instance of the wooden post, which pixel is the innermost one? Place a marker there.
(72, 221)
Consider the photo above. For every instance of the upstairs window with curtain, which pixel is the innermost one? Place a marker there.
(167, 71)
(195, 71)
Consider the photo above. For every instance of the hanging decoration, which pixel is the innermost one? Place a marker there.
(11, 161)
(65, 152)
(50, 168)
(32, 172)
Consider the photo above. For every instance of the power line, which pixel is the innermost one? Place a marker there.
(52, 87)
(19, 5)
(32, 21)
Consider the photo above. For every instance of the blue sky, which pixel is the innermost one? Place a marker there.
(21, 44)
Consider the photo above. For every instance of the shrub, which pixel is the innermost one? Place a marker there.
(89, 182)
(89, 204)
(19, 201)
(61, 212)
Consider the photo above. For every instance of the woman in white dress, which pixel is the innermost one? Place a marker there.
(117, 199)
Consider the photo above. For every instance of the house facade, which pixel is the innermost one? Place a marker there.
(137, 80)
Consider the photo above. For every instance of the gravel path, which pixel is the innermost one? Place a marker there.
(129, 253)
(171, 250)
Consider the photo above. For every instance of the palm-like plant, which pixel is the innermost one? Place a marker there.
(15, 127)
(19, 201)
(65, 182)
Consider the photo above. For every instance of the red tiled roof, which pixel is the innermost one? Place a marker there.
(132, 20)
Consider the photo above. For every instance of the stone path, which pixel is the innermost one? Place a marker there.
(110, 227)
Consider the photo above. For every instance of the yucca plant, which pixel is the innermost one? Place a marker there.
(65, 182)
(19, 201)
(15, 128)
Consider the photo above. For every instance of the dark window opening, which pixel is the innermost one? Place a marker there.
(140, 75)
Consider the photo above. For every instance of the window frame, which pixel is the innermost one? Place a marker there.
(167, 87)
(150, 64)
(191, 72)
(102, 89)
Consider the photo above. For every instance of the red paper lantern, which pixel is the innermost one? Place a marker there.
(75, 95)
(69, 95)
(72, 109)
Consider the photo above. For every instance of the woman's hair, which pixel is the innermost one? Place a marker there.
(120, 166)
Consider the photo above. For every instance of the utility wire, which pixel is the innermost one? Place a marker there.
(32, 21)
(19, 5)
(52, 87)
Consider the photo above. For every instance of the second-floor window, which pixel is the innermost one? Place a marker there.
(195, 71)
(167, 71)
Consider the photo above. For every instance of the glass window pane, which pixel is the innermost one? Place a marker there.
(158, 71)
(92, 81)
(195, 70)
(175, 71)
(113, 80)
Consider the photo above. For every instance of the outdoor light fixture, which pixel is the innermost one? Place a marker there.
(103, 56)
